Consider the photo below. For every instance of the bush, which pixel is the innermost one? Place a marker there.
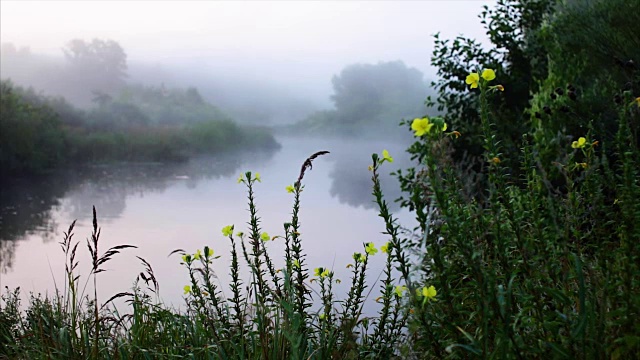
(524, 268)
(32, 138)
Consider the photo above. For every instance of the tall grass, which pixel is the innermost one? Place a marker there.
(269, 315)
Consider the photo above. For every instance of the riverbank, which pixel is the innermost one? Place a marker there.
(40, 133)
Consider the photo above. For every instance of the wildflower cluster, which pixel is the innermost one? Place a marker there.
(423, 126)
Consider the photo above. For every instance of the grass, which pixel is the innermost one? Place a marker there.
(543, 264)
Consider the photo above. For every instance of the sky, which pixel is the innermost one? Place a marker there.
(297, 43)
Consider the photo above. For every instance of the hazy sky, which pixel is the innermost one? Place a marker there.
(297, 42)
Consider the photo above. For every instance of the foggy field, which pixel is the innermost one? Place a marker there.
(320, 179)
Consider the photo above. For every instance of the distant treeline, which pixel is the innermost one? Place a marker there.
(102, 64)
(39, 133)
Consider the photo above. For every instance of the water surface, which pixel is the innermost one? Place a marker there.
(160, 208)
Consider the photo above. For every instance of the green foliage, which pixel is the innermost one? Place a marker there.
(40, 133)
(526, 239)
(170, 106)
(525, 268)
(517, 55)
(594, 51)
(32, 138)
(562, 64)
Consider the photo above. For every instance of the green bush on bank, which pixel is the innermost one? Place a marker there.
(39, 133)
(31, 136)
(527, 267)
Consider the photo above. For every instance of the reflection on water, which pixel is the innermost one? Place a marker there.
(25, 209)
(108, 187)
(27, 204)
(351, 179)
(160, 207)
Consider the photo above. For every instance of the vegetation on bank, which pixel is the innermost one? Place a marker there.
(528, 244)
(144, 124)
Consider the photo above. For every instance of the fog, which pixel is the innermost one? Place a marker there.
(240, 55)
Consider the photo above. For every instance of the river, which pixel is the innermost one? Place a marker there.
(160, 208)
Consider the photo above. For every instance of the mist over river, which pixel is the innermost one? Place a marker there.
(163, 207)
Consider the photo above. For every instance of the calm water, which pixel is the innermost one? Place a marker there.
(160, 208)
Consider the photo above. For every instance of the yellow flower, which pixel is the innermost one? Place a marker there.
(473, 79)
(296, 263)
(265, 237)
(186, 258)
(370, 168)
(496, 160)
(583, 165)
(429, 292)
(239, 234)
(290, 189)
(579, 144)
(258, 177)
(322, 316)
(399, 290)
(385, 248)
(421, 126)
(187, 289)
(358, 257)
(386, 156)
(488, 74)
(444, 127)
(240, 178)
(209, 252)
(227, 230)
(197, 255)
(321, 272)
(370, 248)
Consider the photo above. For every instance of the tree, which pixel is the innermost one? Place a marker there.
(384, 92)
(99, 65)
(370, 100)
